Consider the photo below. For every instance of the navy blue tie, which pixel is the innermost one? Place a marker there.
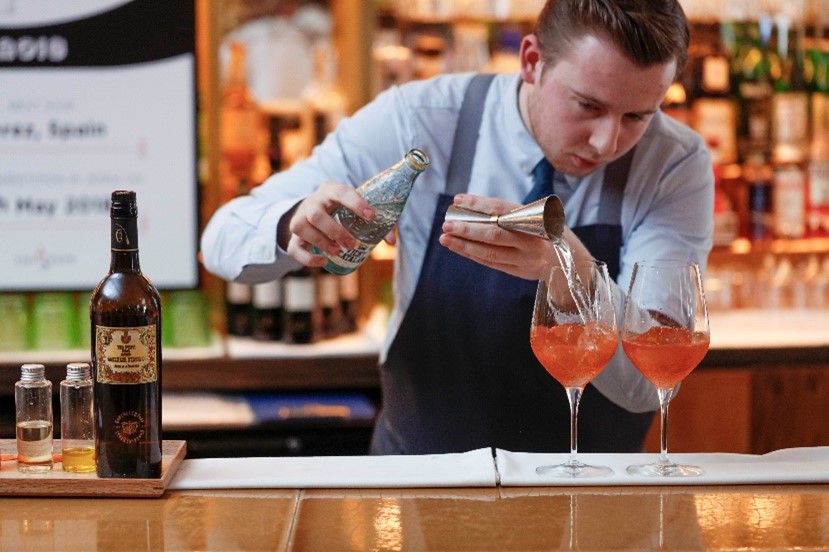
(542, 181)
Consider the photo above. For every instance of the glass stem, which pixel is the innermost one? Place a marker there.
(574, 396)
(664, 399)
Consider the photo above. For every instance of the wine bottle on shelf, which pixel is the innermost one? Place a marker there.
(714, 110)
(349, 301)
(328, 299)
(77, 419)
(758, 176)
(127, 362)
(790, 132)
(818, 202)
(755, 91)
(239, 309)
(299, 303)
(267, 311)
(33, 406)
(790, 102)
(387, 193)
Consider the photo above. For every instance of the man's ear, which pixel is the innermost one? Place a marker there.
(530, 58)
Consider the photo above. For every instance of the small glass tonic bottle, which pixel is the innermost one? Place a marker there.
(77, 421)
(33, 403)
(387, 193)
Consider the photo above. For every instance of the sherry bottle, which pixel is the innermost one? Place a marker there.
(126, 344)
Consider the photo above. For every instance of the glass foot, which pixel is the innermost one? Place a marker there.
(574, 469)
(665, 469)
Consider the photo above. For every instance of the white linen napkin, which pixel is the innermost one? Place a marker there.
(794, 465)
(468, 469)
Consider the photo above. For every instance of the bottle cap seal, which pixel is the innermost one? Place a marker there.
(77, 371)
(32, 372)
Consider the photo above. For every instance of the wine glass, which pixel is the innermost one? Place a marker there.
(665, 334)
(573, 335)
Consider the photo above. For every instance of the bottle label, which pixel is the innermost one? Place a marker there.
(789, 202)
(124, 234)
(716, 120)
(353, 257)
(129, 427)
(299, 294)
(126, 355)
(715, 74)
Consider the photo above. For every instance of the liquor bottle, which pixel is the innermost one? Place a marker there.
(790, 103)
(818, 201)
(77, 419)
(328, 300)
(714, 111)
(789, 200)
(327, 103)
(387, 193)
(755, 91)
(240, 123)
(239, 309)
(127, 362)
(349, 301)
(33, 404)
(267, 311)
(758, 176)
(300, 303)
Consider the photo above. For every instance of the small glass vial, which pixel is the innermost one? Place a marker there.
(77, 422)
(33, 403)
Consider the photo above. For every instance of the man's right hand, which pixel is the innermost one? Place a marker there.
(310, 223)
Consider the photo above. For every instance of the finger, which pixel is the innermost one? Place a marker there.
(304, 230)
(482, 204)
(300, 250)
(488, 255)
(485, 233)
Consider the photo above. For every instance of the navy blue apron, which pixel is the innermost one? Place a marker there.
(460, 373)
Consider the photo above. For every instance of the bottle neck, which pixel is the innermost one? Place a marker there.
(124, 245)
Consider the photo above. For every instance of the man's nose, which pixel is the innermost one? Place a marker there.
(605, 136)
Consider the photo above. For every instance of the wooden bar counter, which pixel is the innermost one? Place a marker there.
(561, 518)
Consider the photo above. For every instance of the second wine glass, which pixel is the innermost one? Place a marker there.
(574, 335)
(665, 334)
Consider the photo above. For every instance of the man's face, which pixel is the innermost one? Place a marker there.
(592, 105)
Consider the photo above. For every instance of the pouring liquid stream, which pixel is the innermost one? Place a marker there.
(577, 290)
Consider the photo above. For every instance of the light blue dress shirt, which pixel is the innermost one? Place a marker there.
(667, 210)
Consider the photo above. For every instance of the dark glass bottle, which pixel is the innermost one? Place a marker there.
(300, 304)
(239, 308)
(267, 311)
(126, 356)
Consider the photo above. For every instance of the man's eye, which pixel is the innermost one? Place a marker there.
(588, 106)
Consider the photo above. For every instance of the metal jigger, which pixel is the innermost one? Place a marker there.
(543, 218)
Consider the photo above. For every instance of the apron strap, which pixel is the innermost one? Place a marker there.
(466, 134)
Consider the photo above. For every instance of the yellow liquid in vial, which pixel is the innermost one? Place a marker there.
(79, 459)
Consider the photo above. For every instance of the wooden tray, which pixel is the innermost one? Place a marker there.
(59, 483)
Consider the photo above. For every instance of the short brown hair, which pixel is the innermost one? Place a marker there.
(647, 31)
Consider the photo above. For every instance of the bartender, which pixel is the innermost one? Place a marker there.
(581, 119)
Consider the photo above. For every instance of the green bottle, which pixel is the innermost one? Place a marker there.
(387, 193)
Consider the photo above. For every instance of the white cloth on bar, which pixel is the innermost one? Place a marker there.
(469, 469)
(786, 466)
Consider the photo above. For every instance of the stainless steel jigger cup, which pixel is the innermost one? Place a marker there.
(543, 218)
